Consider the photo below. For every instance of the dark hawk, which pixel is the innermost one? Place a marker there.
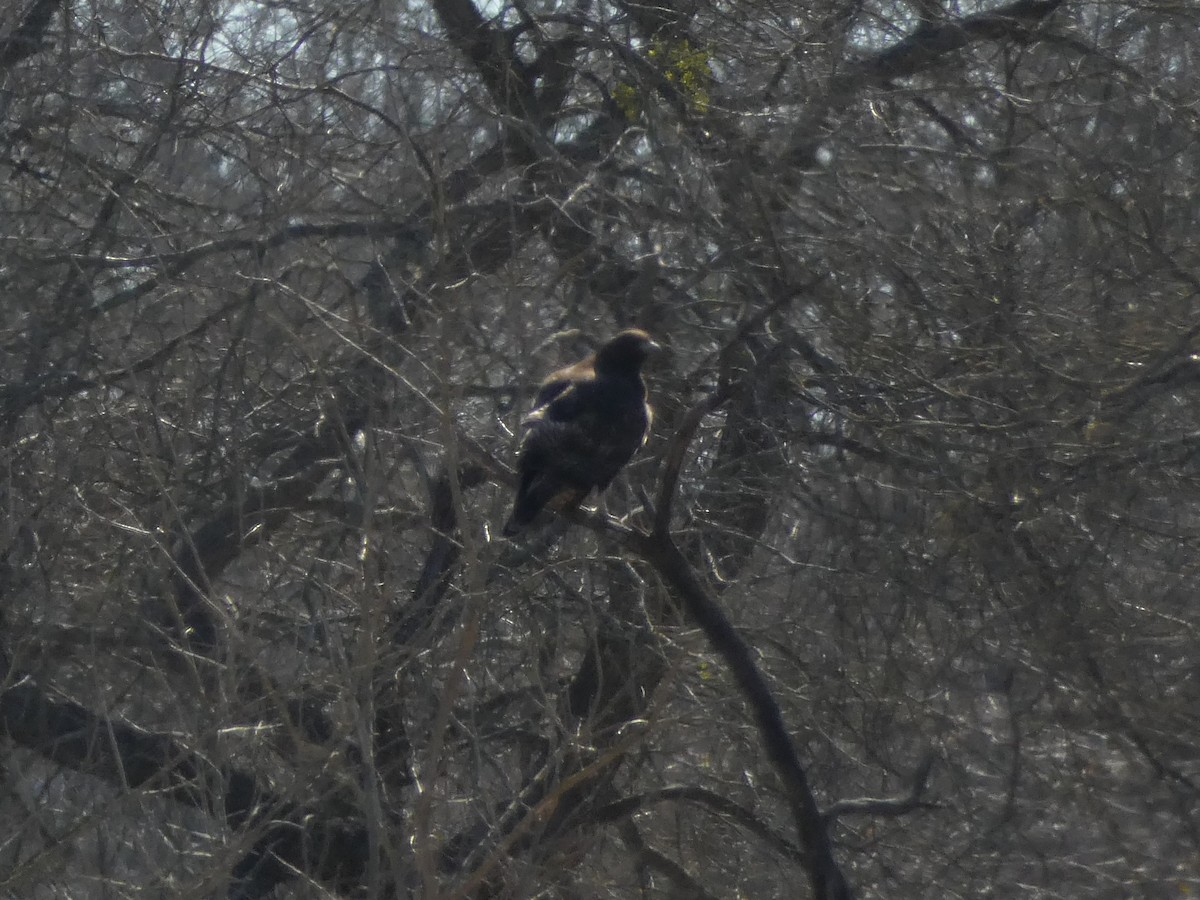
(587, 422)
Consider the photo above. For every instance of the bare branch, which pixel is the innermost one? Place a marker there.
(889, 806)
(825, 876)
(28, 38)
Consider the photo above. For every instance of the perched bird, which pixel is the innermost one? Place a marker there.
(587, 422)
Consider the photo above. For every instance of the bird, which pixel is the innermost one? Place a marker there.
(587, 422)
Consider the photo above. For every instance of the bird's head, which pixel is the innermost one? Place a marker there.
(626, 352)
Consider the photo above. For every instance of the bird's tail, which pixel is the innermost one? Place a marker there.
(513, 526)
(518, 520)
(530, 504)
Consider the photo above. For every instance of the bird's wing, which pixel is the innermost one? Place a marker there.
(569, 403)
(551, 389)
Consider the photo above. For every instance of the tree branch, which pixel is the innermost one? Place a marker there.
(923, 47)
(127, 757)
(888, 806)
(490, 50)
(627, 806)
(826, 878)
(28, 37)
(647, 857)
(674, 456)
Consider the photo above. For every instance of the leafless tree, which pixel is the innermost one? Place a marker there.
(898, 601)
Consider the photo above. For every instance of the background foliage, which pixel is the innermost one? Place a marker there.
(279, 278)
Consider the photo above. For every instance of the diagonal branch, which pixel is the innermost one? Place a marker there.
(923, 47)
(490, 50)
(721, 805)
(916, 53)
(647, 857)
(826, 878)
(331, 850)
(28, 37)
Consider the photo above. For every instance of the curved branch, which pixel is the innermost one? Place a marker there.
(720, 805)
(647, 857)
(826, 878)
(917, 52)
(889, 806)
(920, 49)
